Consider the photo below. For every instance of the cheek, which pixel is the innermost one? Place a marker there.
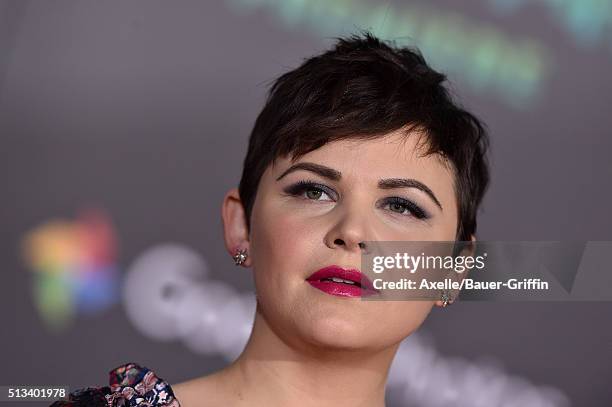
(282, 243)
(446, 230)
(395, 229)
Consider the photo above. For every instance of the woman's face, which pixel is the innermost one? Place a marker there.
(297, 229)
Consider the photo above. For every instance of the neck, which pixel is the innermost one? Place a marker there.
(272, 372)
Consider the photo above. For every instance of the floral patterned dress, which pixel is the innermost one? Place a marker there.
(129, 385)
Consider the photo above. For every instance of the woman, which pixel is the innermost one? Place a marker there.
(361, 143)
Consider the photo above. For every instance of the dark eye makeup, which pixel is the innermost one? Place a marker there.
(396, 204)
(300, 187)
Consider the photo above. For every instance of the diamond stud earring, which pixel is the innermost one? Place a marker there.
(240, 257)
(446, 298)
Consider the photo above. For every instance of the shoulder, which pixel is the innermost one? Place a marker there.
(129, 385)
(204, 391)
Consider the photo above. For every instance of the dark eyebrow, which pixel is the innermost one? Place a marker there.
(392, 183)
(322, 170)
(335, 175)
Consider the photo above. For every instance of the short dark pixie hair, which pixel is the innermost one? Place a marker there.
(364, 88)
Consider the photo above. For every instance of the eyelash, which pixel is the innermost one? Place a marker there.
(300, 187)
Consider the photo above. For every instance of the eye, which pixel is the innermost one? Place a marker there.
(401, 205)
(310, 190)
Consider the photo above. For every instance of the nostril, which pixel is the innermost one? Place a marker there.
(338, 241)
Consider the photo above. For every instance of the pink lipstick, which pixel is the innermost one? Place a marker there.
(336, 280)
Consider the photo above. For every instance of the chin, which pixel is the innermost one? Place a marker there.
(338, 333)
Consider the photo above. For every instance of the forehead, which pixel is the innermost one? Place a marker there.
(395, 155)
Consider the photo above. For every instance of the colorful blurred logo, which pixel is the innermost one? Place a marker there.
(74, 265)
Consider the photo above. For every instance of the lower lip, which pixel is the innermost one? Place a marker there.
(340, 289)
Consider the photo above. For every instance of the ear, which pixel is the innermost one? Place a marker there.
(468, 250)
(235, 230)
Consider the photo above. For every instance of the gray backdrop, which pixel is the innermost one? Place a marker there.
(144, 108)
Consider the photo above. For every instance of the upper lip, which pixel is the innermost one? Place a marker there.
(346, 274)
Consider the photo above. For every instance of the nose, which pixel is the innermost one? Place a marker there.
(348, 231)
